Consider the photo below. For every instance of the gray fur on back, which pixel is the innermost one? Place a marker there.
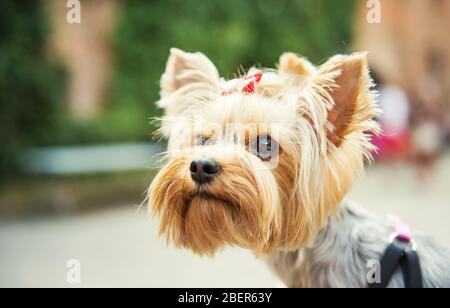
(340, 252)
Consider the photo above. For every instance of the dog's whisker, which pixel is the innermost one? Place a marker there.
(141, 205)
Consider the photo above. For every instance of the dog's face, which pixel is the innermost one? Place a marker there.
(261, 161)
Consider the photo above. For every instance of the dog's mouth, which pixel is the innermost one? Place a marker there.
(203, 195)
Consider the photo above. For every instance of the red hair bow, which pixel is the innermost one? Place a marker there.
(246, 84)
(250, 88)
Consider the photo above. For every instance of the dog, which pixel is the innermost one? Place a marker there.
(264, 162)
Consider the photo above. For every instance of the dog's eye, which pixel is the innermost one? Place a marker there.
(202, 140)
(264, 147)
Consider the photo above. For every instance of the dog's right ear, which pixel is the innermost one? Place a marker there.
(294, 65)
(187, 71)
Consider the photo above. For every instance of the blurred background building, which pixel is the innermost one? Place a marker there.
(409, 42)
(411, 62)
(76, 109)
(86, 50)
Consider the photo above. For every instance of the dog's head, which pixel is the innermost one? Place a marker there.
(262, 160)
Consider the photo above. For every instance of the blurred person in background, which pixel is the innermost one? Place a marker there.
(428, 132)
(394, 143)
(447, 127)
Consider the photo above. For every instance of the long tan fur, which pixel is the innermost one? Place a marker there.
(321, 118)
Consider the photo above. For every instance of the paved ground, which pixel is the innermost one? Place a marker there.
(119, 248)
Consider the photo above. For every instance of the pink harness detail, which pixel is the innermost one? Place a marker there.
(402, 231)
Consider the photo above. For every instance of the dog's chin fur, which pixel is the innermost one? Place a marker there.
(237, 208)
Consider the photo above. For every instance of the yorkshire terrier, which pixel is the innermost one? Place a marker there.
(264, 161)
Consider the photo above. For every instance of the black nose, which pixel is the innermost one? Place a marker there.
(204, 170)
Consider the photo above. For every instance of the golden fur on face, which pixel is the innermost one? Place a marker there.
(318, 118)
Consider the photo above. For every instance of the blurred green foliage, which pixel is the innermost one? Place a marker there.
(31, 86)
(231, 32)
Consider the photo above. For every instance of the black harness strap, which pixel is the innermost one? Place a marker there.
(400, 253)
(413, 272)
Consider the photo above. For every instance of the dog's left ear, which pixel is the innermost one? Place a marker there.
(184, 69)
(349, 92)
(189, 78)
